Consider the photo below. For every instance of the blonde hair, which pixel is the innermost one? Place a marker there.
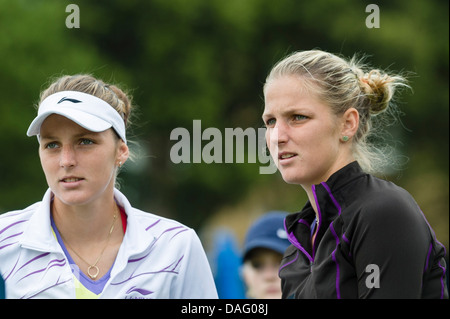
(343, 84)
(86, 83)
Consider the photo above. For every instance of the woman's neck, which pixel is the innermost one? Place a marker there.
(84, 223)
(91, 233)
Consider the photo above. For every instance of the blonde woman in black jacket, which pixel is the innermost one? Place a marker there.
(358, 236)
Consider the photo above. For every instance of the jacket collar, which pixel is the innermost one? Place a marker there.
(343, 176)
(329, 199)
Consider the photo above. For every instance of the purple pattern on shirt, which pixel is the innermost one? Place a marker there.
(171, 268)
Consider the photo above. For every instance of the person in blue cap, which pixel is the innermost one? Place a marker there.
(264, 246)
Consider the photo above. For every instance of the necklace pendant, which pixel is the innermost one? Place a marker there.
(96, 271)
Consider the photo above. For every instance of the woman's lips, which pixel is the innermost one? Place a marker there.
(71, 181)
(286, 157)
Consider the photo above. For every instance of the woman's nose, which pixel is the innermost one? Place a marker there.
(278, 134)
(67, 158)
(282, 131)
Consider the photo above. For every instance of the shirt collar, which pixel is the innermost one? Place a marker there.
(38, 234)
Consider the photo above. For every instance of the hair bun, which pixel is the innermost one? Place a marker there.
(379, 89)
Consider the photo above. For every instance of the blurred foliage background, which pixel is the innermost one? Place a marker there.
(207, 59)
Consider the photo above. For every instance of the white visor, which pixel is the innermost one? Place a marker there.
(86, 110)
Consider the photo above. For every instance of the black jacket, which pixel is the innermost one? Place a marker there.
(373, 241)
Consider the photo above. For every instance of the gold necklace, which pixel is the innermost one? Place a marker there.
(94, 268)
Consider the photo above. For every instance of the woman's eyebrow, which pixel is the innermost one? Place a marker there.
(84, 134)
(286, 111)
(265, 115)
(47, 137)
(75, 136)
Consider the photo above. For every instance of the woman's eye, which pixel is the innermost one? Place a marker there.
(86, 141)
(51, 145)
(299, 117)
(270, 122)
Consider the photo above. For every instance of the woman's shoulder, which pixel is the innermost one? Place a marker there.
(13, 226)
(384, 195)
(157, 231)
(146, 220)
(154, 223)
(375, 194)
(16, 217)
(385, 205)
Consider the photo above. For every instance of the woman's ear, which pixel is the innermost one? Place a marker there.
(350, 123)
(123, 153)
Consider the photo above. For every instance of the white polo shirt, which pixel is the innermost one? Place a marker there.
(158, 258)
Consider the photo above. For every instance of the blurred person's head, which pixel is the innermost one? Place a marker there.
(264, 245)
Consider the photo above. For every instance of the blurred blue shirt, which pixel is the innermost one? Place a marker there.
(227, 261)
(2, 288)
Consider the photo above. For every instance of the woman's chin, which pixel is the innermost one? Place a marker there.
(290, 178)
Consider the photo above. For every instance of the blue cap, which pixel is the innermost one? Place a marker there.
(267, 232)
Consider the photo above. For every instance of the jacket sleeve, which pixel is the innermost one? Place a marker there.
(390, 247)
(196, 279)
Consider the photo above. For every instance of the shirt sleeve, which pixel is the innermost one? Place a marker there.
(196, 280)
(390, 248)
